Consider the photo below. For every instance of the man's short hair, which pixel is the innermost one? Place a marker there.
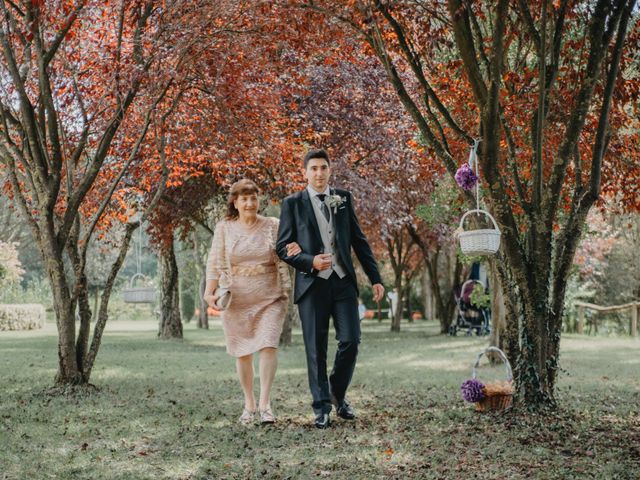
(316, 153)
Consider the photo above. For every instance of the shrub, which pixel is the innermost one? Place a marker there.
(10, 269)
(22, 317)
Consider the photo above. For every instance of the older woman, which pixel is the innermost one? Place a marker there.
(243, 258)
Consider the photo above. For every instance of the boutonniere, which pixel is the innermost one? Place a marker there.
(335, 201)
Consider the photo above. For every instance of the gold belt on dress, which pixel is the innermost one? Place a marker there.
(251, 270)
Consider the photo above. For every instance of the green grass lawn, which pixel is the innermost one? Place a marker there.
(169, 409)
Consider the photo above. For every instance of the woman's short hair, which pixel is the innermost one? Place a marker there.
(241, 187)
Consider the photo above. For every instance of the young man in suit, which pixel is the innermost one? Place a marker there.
(322, 221)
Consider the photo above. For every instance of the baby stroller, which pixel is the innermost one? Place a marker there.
(468, 316)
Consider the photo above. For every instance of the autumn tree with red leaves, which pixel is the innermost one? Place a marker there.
(234, 121)
(83, 83)
(545, 86)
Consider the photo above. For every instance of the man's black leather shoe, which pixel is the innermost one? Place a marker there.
(344, 410)
(322, 420)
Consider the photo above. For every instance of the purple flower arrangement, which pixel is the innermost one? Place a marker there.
(472, 390)
(466, 178)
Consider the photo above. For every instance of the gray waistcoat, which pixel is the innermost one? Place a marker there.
(328, 234)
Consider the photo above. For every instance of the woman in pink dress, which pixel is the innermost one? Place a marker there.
(243, 258)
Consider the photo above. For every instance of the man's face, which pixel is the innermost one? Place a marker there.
(317, 174)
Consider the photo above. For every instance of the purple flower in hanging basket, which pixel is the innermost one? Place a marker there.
(472, 390)
(465, 177)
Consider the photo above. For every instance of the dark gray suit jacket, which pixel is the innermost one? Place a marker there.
(298, 224)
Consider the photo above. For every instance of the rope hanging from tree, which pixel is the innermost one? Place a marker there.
(484, 241)
(142, 294)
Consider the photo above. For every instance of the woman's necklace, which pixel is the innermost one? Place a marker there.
(248, 225)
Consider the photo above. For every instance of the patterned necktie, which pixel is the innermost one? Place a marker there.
(323, 206)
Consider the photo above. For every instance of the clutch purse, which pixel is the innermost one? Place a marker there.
(223, 292)
(224, 298)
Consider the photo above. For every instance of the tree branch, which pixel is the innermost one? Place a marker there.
(538, 131)
(466, 47)
(414, 62)
(377, 43)
(28, 113)
(531, 26)
(57, 41)
(115, 268)
(600, 37)
(603, 120)
(511, 146)
(125, 167)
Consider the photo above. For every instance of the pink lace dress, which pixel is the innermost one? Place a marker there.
(245, 257)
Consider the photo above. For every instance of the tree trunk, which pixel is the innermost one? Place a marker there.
(170, 321)
(407, 294)
(498, 314)
(81, 289)
(289, 318)
(96, 296)
(102, 313)
(69, 372)
(445, 304)
(285, 336)
(429, 303)
(429, 297)
(203, 315)
(85, 314)
(528, 339)
(76, 359)
(399, 306)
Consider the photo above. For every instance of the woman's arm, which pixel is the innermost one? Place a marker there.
(283, 268)
(216, 263)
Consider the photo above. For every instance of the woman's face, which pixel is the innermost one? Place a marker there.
(247, 205)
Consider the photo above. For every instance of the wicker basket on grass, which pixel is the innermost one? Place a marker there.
(497, 395)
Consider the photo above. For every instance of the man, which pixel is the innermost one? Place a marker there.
(321, 220)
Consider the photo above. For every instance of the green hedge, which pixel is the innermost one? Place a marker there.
(22, 316)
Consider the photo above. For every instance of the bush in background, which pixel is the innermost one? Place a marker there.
(22, 317)
(11, 270)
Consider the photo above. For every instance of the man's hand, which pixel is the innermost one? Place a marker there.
(322, 261)
(378, 292)
(293, 249)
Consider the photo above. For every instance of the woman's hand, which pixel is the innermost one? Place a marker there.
(293, 249)
(211, 299)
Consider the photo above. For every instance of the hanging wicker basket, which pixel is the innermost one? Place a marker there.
(484, 241)
(133, 294)
(497, 395)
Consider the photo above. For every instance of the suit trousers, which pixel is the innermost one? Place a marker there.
(337, 298)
